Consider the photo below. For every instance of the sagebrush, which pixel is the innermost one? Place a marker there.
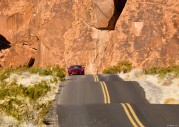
(124, 66)
(21, 102)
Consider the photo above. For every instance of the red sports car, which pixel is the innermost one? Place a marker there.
(76, 70)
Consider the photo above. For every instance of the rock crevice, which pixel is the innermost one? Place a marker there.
(118, 8)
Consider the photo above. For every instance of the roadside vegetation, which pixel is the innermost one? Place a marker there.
(163, 71)
(55, 71)
(26, 94)
(161, 84)
(124, 66)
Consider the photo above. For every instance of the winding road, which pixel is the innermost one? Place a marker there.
(109, 101)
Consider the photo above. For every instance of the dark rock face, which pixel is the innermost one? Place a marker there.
(118, 8)
(4, 44)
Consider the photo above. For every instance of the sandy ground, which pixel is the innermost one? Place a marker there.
(157, 90)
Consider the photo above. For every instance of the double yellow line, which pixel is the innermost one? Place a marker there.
(96, 79)
(131, 115)
(126, 106)
(107, 99)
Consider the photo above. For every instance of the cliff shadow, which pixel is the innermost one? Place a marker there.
(118, 8)
(4, 43)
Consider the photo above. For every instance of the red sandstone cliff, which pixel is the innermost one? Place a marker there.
(93, 33)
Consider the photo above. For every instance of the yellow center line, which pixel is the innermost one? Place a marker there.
(104, 89)
(103, 92)
(134, 115)
(95, 78)
(108, 97)
(128, 115)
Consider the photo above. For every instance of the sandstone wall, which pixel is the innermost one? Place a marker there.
(67, 32)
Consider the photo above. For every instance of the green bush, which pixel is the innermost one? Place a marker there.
(43, 109)
(162, 71)
(123, 66)
(36, 91)
(59, 72)
(11, 107)
(11, 90)
(33, 92)
(17, 107)
(4, 74)
(55, 71)
(16, 98)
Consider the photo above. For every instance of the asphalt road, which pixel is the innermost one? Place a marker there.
(108, 101)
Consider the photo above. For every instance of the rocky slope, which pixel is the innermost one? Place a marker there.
(93, 33)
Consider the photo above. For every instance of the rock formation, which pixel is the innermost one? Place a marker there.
(94, 33)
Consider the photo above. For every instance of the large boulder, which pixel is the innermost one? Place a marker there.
(102, 11)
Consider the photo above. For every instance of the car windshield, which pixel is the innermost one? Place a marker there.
(76, 66)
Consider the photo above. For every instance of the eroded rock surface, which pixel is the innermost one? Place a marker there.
(66, 32)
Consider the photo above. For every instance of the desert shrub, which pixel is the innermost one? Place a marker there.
(54, 80)
(3, 93)
(11, 90)
(112, 70)
(11, 107)
(123, 66)
(16, 98)
(55, 71)
(58, 72)
(4, 74)
(36, 91)
(171, 101)
(33, 92)
(162, 71)
(17, 107)
(40, 71)
(43, 109)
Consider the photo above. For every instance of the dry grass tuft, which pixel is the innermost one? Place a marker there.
(171, 101)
